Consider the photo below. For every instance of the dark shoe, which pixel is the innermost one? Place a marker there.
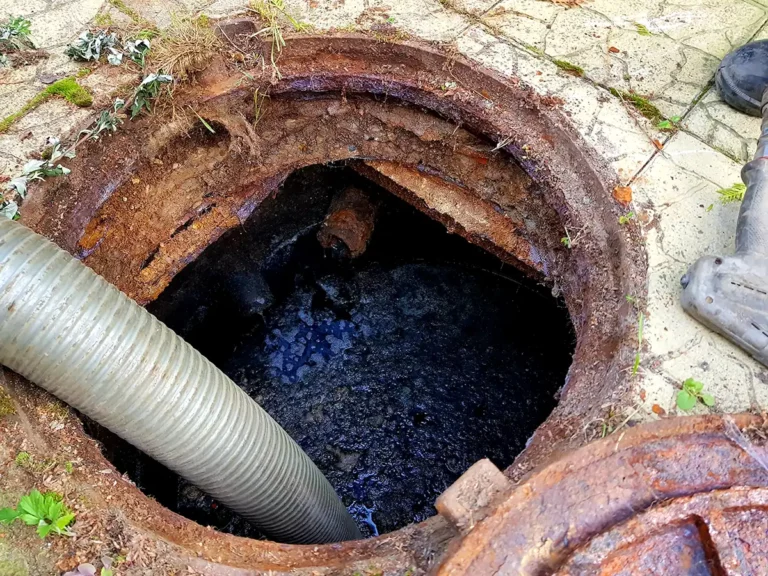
(743, 76)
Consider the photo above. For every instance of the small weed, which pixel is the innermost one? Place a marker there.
(568, 67)
(83, 72)
(16, 188)
(185, 47)
(137, 51)
(274, 13)
(626, 218)
(642, 30)
(108, 121)
(147, 34)
(670, 124)
(23, 459)
(6, 403)
(641, 104)
(630, 299)
(69, 467)
(259, 102)
(640, 323)
(148, 90)
(47, 512)
(709, 208)
(14, 34)
(568, 241)
(692, 393)
(202, 120)
(391, 20)
(734, 193)
(90, 46)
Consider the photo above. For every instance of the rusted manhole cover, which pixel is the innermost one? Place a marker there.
(683, 497)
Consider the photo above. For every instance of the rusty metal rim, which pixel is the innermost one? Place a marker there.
(542, 141)
(560, 508)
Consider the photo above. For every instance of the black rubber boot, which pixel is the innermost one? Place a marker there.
(742, 77)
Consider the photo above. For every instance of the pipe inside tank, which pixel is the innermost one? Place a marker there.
(69, 331)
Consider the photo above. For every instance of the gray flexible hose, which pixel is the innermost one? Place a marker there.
(68, 330)
(752, 225)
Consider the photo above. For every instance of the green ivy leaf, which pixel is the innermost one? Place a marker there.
(685, 401)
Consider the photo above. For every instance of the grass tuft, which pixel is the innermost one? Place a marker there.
(185, 47)
(274, 14)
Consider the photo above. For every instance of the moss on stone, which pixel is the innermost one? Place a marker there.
(568, 67)
(70, 90)
(11, 568)
(641, 104)
(67, 88)
(104, 20)
(6, 403)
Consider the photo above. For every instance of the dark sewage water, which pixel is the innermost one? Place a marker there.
(395, 371)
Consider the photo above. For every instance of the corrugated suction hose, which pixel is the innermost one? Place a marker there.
(68, 330)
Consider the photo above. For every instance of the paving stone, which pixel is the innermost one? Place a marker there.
(472, 7)
(624, 138)
(63, 24)
(667, 52)
(675, 192)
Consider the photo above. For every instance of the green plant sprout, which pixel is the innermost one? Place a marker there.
(148, 90)
(45, 511)
(734, 193)
(669, 124)
(14, 34)
(626, 218)
(692, 393)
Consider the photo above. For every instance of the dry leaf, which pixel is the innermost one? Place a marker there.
(658, 410)
(658, 144)
(623, 194)
(613, 50)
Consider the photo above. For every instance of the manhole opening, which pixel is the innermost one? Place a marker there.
(395, 371)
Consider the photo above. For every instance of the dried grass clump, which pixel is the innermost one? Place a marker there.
(185, 47)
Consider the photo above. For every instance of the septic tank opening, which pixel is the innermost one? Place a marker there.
(395, 371)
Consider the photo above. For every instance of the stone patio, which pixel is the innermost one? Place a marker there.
(665, 51)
